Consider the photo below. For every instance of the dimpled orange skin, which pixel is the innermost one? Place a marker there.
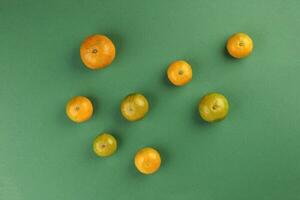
(134, 107)
(79, 109)
(213, 107)
(97, 51)
(239, 45)
(105, 145)
(180, 72)
(147, 160)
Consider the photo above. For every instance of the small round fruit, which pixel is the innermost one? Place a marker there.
(180, 72)
(147, 160)
(134, 107)
(213, 107)
(79, 109)
(104, 145)
(97, 51)
(239, 45)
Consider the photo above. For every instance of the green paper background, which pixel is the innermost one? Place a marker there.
(252, 154)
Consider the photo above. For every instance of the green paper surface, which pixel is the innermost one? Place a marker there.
(252, 154)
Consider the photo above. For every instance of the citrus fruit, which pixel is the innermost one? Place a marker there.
(97, 51)
(180, 72)
(147, 160)
(79, 109)
(213, 107)
(104, 145)
(134, 107)
(239, 45)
